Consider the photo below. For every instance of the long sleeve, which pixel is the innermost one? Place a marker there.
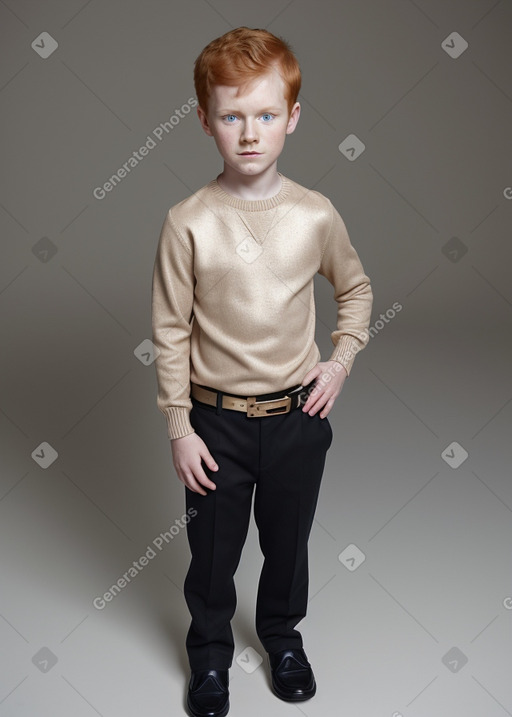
(341, 266)
(172, 315)
(233, 303)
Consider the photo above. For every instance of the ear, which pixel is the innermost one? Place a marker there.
(294, 118)
(203, 118)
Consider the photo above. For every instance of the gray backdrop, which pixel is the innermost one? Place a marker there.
(410, 551)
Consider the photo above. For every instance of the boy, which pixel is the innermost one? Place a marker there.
(239, 378)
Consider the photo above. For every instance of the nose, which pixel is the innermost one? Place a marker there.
(249, 131)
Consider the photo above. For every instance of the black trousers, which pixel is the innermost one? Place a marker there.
(281, 459)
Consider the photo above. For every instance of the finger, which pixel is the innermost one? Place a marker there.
(192, 484)
(200, 482)
(313, 396)
(202, 478)
(314, 402)
(318, 405)
(210, 462)
(327, 408)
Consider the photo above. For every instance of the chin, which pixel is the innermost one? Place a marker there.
(254, 169)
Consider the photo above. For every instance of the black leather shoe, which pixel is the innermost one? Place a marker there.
(292, 676)
(208, 693)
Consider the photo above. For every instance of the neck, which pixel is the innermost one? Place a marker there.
(262, 186)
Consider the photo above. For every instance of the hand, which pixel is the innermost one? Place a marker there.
(326, 389)
(187, 452)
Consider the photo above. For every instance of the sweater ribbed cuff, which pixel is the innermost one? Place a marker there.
(345, 352)
(178, 422)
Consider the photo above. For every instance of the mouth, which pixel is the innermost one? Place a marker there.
(250, 154)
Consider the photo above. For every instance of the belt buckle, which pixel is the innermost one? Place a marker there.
(253, 410)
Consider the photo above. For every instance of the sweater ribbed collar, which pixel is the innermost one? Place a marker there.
(251, 205)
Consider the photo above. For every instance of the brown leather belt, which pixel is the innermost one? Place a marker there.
(254, 406)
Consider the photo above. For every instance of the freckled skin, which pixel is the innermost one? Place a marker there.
(257, 120)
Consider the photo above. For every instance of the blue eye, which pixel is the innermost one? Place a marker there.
(267, 114)
(228, 116)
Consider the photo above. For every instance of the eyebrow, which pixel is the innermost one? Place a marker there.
(265, 109)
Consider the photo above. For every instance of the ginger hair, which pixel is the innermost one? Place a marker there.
(242, 55)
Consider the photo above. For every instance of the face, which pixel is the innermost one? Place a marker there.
(250, 129)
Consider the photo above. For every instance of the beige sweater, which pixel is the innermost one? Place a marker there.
(233, 294)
